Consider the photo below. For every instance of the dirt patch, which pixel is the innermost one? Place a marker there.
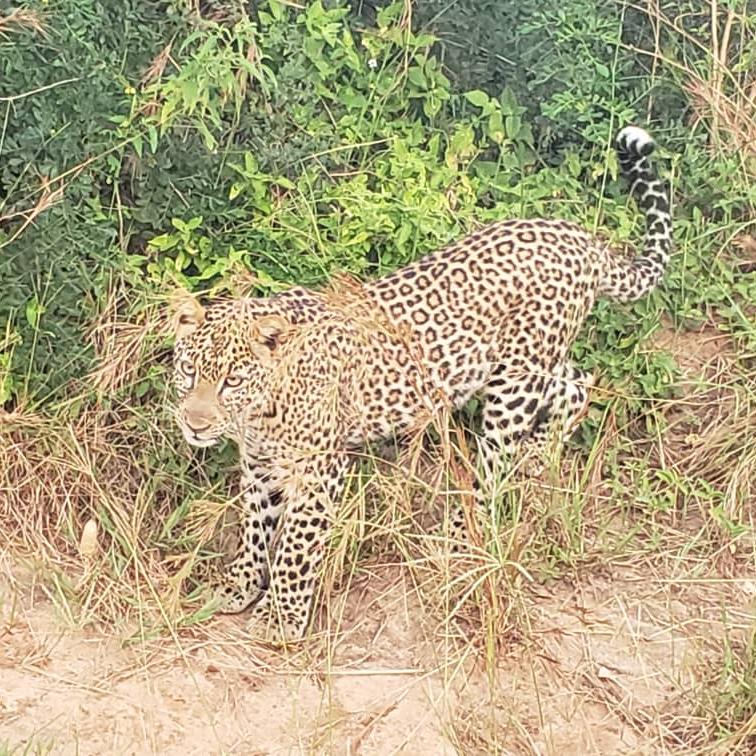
(603, 671)
(706, 354)
(76, 691)
(706, 432)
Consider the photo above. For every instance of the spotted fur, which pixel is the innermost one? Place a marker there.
(303, 379)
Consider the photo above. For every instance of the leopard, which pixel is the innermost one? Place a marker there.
(305, 379)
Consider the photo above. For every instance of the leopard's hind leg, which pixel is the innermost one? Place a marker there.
(521, 410)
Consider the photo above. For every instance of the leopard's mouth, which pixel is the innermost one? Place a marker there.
(199, 440)
(201, 443)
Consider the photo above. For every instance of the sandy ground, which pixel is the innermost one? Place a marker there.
(611, 661)
(606, 669)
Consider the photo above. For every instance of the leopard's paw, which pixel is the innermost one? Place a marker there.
(276, 627)
(232, 599)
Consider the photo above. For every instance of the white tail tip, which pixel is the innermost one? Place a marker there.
(635, 137)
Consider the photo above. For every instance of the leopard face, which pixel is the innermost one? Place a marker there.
(223, 359)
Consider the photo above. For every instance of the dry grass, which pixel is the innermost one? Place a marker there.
(584, 582)
(123, 345)
(22, 19)
(725, 98)
(50, 193)
(59, 473)
(713, 65)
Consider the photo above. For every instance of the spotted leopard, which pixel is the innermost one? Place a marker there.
(303, 379)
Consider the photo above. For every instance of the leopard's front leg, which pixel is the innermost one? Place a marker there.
(309, 497)
(246, 577)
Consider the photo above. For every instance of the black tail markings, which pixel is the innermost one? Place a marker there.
(627, 281)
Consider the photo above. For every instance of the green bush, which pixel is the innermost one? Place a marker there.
(297, 142)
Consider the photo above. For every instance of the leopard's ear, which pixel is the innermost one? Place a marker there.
(268, 330)
(188, 315)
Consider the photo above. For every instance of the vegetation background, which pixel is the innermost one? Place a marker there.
(233, 147)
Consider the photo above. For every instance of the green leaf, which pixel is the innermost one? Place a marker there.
(152, 135)
(496, 127)
(417, 77)
(250, 164)
(276, 10)
(210, 141)
(478, 98)
(190, 92)
(602, 69)
(512, 124)
(431, 105)
(164, 242)
(424, 40)
(33, 311)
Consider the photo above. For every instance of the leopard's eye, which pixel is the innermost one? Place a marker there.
(232, 381)
(187, 368)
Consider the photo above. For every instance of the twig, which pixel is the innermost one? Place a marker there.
(31, 92)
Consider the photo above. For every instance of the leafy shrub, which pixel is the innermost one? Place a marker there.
(172, 147)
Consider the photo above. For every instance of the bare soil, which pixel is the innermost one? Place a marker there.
(608, 668)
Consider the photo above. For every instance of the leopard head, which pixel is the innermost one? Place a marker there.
(223, 359)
